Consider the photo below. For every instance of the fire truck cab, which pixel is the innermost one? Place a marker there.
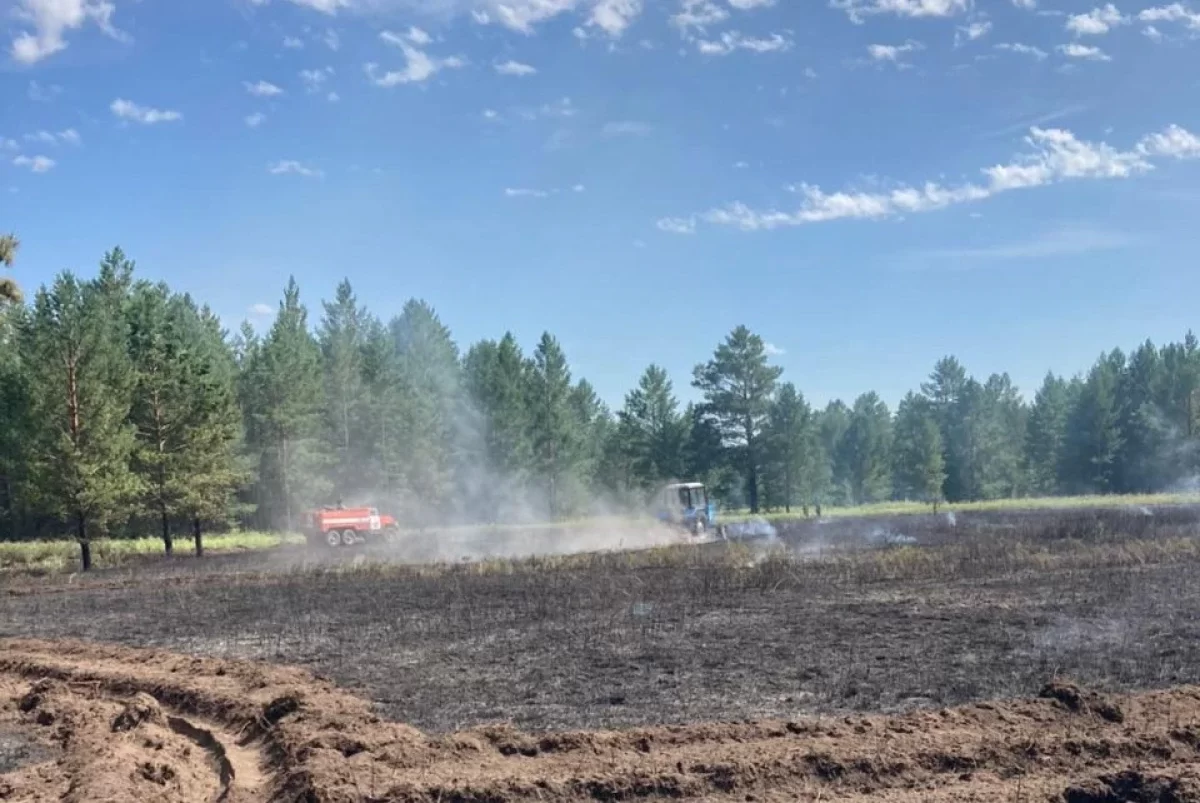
(349, 526)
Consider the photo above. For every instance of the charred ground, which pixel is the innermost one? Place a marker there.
(848, 616)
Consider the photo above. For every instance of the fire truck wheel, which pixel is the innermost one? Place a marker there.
(391, 535)
(349, 537)
(333, 538)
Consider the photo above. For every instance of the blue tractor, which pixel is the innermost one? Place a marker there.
(686, 505)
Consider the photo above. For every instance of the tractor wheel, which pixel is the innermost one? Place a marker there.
(699, 525)
(333, 538)
(349, 538)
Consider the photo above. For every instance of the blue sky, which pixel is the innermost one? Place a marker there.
(869, 184)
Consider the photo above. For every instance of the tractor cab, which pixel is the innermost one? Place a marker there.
(686, 504)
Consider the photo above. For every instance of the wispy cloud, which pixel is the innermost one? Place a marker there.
(516, 68)
(1096, 22)
(260, 310)
(524, 192)
(68, 136)
(1040, 120)
(626, 128)
(1024, 50)
(289, 166)
(42, 93)
(1175, 12)
(255, 120)
(971, 32)
(1055, 156)
(293, 43)
(1065, 241)
(677, 225)
(38, 164)
(731, 41)
(419, 65)
(894, 54)
(262, 89)
(1087, 52)
(128, 110)
(314, 80)
(51, 19)
(771, 350)
(859, 10)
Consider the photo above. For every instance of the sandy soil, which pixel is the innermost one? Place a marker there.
(120, 724)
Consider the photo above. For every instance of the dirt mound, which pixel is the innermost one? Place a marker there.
(151, 725)
(1132, 786)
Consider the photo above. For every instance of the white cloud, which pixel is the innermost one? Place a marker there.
(67, 137)
(43, 94)
(771, 350)
(314, 80)
(330, 7)
(859, 10)
(578, 188)
(1028, 5)
(419, 65)
(1096, 22)
(38, 164)
(734, 40)
(255, 120)
(51, 19)
(333, 97)
(1152, 33)
(558, 109)
(614, 16)
(893, 53)
(262, 89)
(677, 225)
(414, 36)
(521, 192)
(332, 40)
(698, 15)
(1055, 156)
(490, 114)
(511, 67)
(260, 310)
(1173, 141)
(293, 43)
(128, 110)
(8, 144)
(971, 32)
(1025, 50)
(291, 166)
(1078, 51)
(1175, 12)
(748, 5)
(619, 128)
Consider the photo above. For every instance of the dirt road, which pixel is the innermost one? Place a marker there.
(113, 723)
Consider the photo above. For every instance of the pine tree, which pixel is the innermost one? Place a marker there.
(1045, 433)
(832, 424)
(15, 413)
(80, 383)
(553, 432)
(737, 384)
(163, 361)
(10, 292)
(1094, 439)
(1141, 460)
(341, 338)
(791, 440)
(285, 399)
(215, 469)
(495, 379)
(866, 450)
(947, 393)
(431, 432)
(918, 465)
(652, 430)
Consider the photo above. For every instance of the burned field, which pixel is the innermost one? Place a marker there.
(840, 617)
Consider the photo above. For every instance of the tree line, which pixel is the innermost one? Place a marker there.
(128, 408)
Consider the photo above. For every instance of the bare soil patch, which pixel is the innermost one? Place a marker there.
(313, 742)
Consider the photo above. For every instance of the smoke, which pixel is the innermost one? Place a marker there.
(951, 518)
(752, 528)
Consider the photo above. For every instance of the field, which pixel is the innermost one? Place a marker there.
(1004, 654)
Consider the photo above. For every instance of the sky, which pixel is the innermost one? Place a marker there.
(867, 184)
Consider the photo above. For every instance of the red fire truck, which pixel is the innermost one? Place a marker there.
(349, 526)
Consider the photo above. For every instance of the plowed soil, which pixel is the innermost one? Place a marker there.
(121, 724)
